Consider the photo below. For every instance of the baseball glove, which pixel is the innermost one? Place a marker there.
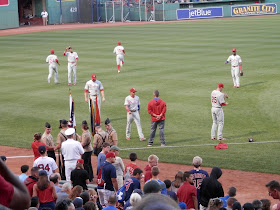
(241, 73)
(225, 95)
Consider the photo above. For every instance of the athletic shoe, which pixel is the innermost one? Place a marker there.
(75, 83)
(149, 145)
(143, 139)
(127, 138)
(223, 139)
(119, 71)
(69, 83)
(163, 145)
(213, 138)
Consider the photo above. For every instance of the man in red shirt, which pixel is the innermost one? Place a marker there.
(187, 192)
(36, 144)
(157, 109)
(31, 180)
(129, 168)
(152, 161)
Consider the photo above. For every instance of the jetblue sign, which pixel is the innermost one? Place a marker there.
(199, 13)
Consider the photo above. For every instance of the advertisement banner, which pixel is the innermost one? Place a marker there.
(253, 9)
(199, 13)
(4, 3)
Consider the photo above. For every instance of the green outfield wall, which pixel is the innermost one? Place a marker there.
(9, 15)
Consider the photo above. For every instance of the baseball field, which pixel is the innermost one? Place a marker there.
(183, 60)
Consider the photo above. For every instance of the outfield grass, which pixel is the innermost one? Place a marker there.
(184, 61)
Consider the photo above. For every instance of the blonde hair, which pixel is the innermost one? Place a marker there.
(135, 198)
(153, 157)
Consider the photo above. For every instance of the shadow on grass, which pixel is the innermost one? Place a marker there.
(254, 83)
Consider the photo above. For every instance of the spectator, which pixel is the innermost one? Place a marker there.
(155, 173)
(111, 133)
(230, 202)
(231, 193)
(215, 204)
(131, 166)
(47, 139)
(265, 204)
(127, 203)
(24, 170)
(34, 203)
(85, 197)
(3, 158)
(64, 193)
(75, 192)
(135, 199)
(45, 15)
(211, 187)
(273, 188)
(99, 139)
(236, 206)
(78, 203)
(257, 204)
(55, 178)
(170, 193)
(112, 201)
(152, 161)
(175, 184)
(65, 204)
(187, 192)
(93, 196)
(248, 206)
(118, 165)
(198, 175)
(90, 206)
(102, 155)
(45, 191)
(79, 176)
(152, 187)
(31, 180)
(36, 144)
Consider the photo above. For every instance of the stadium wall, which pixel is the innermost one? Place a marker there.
(9, 14)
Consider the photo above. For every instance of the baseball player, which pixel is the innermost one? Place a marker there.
(93, 88)
(132, 106)
(53, 61)
(218, 100)
(119, 51)
(72, 64)
(236, 67)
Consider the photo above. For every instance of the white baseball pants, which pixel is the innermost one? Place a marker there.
(119, 59)
(72, 68)
(51, 70)
(136, 117)
(235, 76)
(218, 120)
(70, 165)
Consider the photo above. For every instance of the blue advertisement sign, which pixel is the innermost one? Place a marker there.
(254, 9)
(199, 13)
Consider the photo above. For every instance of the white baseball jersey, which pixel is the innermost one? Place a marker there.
(46, 163)
(132, 103)
(71, 56)
(119, 50)
(94, 88)
(51, 59)
(234, 60)
(217, 98)
(44, 14)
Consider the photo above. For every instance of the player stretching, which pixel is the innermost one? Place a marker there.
(52, 60)
(119, 51)
(236, 67)
(72, 64)
(218, 100)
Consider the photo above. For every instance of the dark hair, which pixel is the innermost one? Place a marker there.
(75, 192)
(265, 204)
(89, 206)
(37, 136)
(137, 171)
(112, 199)
(273, 185)
(43, 182)
(133, 156)
(47, 125)
(85, 197)
(105, 144)
(24, 168)
(232, 191)
(34, 201)
(54, 178)
(167, 182)
(63, 204)
(155, 171)
(156, 93)
(257, 204)
(85, 125)
(186, 175)
(34, 170)
(178, 179)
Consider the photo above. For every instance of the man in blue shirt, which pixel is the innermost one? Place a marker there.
(155, 173)
(112, 201)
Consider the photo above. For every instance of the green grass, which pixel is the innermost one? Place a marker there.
(184, 61)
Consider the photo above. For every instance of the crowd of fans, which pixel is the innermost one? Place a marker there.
(115, 186)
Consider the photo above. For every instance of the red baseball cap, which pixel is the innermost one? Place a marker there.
(110, 154)
(133, 90)
(52, 51)
(221, 85)
(93, 76)
(233, 50)
(119, 43)
(80, 161)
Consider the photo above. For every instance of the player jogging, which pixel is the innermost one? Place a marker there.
(72, 64)
(53, 61)
(119, 51)
(236, 68)
(218, 100)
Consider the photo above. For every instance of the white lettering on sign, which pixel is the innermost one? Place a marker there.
(73, 9)
(200, 12)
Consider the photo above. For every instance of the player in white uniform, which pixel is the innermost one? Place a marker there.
(93, 88)
(119, 51)
(53, 61)
(218, 100)
(44, 162)
(72, 64)
(132, 106)
(236, 67)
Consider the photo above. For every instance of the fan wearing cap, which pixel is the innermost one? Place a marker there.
(44, 162)
(48, 140)
(118, 165)
(72, 151)
(112, 133)
(132, 106)
(218, 100)
(236, 67)
(79, 176)
(52, 60)
(92, 89)
(72, 58)
(119, 51)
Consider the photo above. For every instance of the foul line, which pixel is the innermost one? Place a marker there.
(195, 145)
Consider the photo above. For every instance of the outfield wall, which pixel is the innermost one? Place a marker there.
(8, 14)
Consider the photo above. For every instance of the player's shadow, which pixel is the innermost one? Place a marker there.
(253, 83)
(247, 135)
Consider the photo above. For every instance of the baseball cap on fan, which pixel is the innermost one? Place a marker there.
(80, 161)
(93, 76)
(133, 90)
(42, 149)
(233, 50)
(110, 154)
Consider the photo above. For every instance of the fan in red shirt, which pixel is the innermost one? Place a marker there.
(36, 144)
(129, 168)
(152, 161)
(187, 192)
(31, 180)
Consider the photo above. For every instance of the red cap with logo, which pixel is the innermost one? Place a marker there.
(93, 76)
(119, 43)
(80, 161)
(52, 51)
(133, 90)
(110, 154)
(233, 50)
(221, 85)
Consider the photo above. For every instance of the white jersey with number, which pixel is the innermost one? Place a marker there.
(132, 103)
(46, 163)
(94, 88)
(51, 59)
(234, 60)
(217, 98)
(119, 50)
(71, 57)
(44, 14)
